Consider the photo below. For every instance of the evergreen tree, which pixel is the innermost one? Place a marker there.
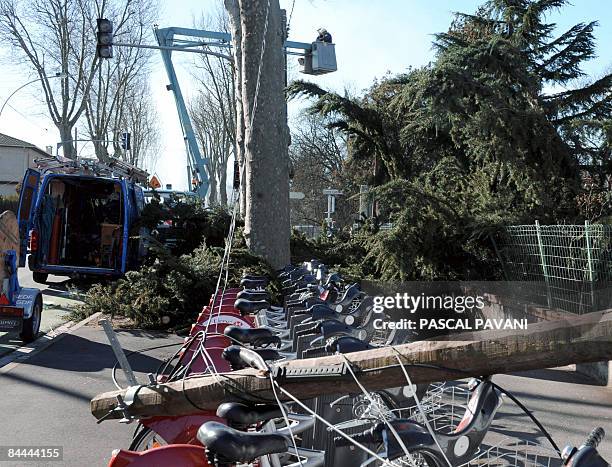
(477, 139)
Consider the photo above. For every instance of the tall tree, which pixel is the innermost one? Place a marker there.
(136, 114)
(213, 110)
(55, 36)
(215, 142)
(258, 35)
(476, 140)
(116, 78)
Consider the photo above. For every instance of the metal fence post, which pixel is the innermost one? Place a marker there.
(590, 263)
(118, 351)
(544, 267)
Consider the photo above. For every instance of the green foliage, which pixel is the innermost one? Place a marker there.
(188, 221)
(173, 287)
(471, 142)
(9, 203)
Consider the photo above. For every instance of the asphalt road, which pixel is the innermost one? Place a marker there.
(45, 400)
(568, 404)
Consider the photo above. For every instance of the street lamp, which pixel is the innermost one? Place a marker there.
(57, 75)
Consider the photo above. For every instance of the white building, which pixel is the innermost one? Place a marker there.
(15, 157)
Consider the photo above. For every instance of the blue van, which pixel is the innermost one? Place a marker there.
(80, 223)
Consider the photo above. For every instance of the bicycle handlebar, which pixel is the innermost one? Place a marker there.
(586, 455)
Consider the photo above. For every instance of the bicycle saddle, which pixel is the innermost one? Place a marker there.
(253, 284)
(254, 278)
(346, 344)
(253, 336)
(250, 306)
(232, 355)
(243, 415)
(253, 295)
(229, 445)
(352, 318)
(330, 328)
(322, 311)
(303, 279)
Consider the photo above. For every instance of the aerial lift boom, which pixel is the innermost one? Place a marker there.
(319, 58)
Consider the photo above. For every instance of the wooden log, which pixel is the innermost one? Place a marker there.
(586, 338)
(9, 239)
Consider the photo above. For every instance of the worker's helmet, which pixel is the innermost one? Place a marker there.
(321, 30)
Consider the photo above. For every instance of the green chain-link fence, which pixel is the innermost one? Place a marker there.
(569, 267)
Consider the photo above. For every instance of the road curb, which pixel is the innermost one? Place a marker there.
(24, 352)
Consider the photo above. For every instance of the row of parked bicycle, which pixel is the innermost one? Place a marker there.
(442, 424)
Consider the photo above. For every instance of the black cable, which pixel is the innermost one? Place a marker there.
(188, 398)
(530, 415)
(185, 348)
(129, 354)
(290, 16)
(164, 365)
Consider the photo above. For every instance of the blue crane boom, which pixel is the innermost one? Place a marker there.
(181, 39)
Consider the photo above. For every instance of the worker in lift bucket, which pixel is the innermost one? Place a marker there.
(324, 36)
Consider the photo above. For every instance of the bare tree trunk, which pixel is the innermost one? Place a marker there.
(67, 144)
(212, 191)
(223, 186)
(233, 10)
(267, 225)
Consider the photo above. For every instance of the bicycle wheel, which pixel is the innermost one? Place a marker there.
(146, 439)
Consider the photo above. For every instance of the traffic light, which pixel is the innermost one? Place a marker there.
(104, 47)
(125, 141)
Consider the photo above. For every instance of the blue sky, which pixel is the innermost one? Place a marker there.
(372, 37)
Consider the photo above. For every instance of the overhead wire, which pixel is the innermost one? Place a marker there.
(286, 418)
(384, 419)
(290, 16)
(420, 407)
(225, 261)
(385, 462)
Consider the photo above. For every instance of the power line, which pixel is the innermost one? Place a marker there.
(290, 16)
(27, 119)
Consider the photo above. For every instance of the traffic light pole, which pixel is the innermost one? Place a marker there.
(181, 49)
(181, 40)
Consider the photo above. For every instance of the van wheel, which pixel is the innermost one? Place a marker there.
(40, 277)
(31, 326)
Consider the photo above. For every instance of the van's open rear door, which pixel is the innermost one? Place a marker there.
(25, 215)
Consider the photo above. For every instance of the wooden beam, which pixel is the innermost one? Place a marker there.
(9, 240)
(586, 338)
